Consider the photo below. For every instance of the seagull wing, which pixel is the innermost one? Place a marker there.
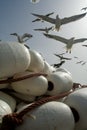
(84, 8)
(58, 38)
(36, 20)
(80, 40)
(20, 40)
(72, 18)
(39, 29)
(26, 35)
(79, 62)
(50, 28)
(58, 56)
(14, 34)
(67, 58)
(43, 29)
(45, 18)
(61, 57)
(84, 45)
(84, 63)
(49, 14)
(59, 64)
(27, 46)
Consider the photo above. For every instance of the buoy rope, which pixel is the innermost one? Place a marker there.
(21, 78)
(78, 85)
(10, 121)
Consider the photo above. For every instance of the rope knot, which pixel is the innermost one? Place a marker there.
(10, 121)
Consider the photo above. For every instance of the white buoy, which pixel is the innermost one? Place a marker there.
(63, 70)
(14, 58)
(24, 97)
(4, 109)
(48, 69)
(37, 62)
(59, 82)
(9, 100)
(78, 103)
(50, 116)
(35, 86)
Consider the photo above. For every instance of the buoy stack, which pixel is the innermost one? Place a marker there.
(26, 78)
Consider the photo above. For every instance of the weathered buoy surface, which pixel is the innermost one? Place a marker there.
(50, 116)
(78, 103)
(35, 86)
(14, 58)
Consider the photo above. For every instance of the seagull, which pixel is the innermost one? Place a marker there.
(84, 45)
(61, 57)
(59, 64)
(40, 19)
(58, 21)
(85, 8)
(69, 42)
(44, 29)
(21, 38)
(79, 62)
(84, 63)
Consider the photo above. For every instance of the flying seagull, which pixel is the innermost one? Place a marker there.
(79, 62)
(62, 57)
(69, 42)
(40, 19)
(84, 63)
(44, 29)
(22, 39)
(58, 21)
(59, 64)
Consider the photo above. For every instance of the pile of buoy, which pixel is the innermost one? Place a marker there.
(36, 96)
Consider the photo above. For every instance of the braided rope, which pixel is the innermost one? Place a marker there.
(9, 122)
(21, 78)
(42, 101)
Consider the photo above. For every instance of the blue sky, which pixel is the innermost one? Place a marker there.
(15, 16)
